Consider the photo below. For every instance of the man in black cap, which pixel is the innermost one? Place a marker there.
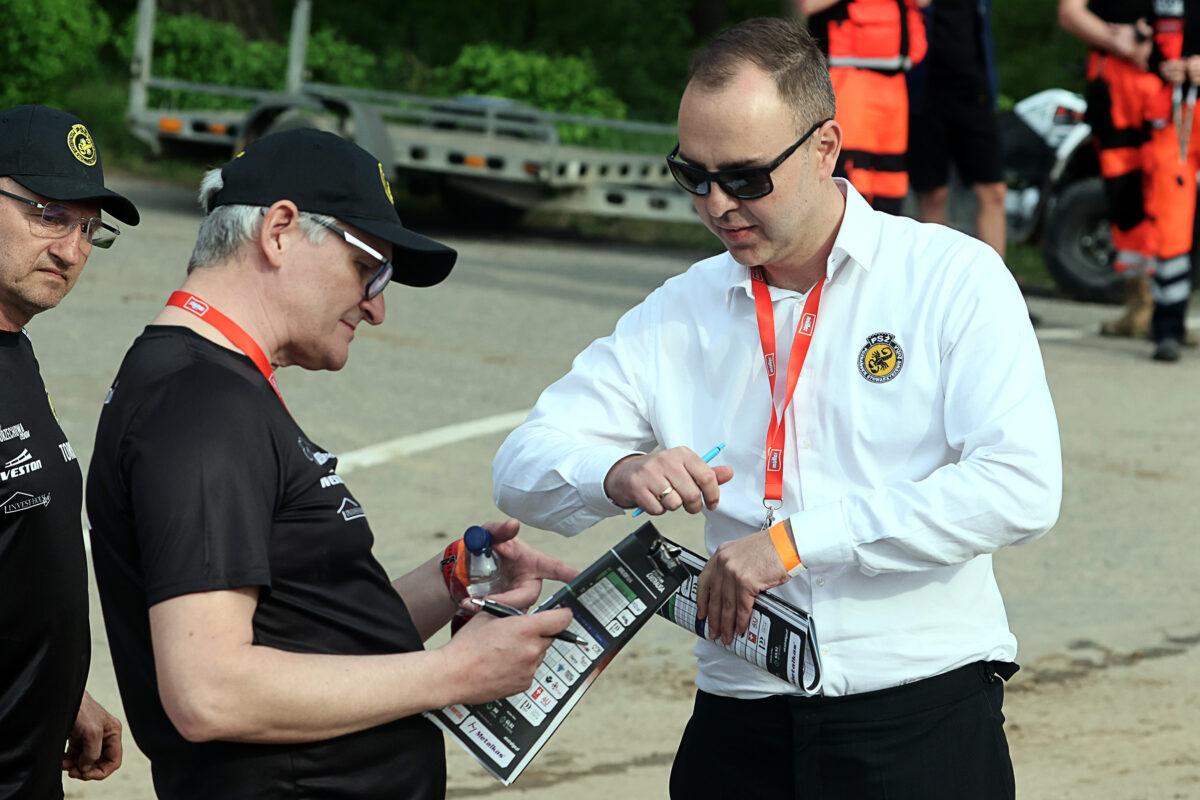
(259, 647)
(51, 198)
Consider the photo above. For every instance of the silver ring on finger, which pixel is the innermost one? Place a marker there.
(665, 492)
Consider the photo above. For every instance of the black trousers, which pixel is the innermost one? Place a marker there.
(937, 739)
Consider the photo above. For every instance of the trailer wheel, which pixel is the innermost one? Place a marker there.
(480, 212)
(1077, 243)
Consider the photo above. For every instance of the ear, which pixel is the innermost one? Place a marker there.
(828, 148)
(279, 232)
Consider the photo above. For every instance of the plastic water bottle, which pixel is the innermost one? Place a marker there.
(483, 566)
(483, 570)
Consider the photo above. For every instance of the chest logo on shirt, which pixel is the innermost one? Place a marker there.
(351, 510)
(881, 358)
(20, 501)
(23, 464)
(14, 432)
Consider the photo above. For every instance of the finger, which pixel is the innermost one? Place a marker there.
(502, 531)
(702, 591)
(704, 478)
(114, 750)
(745, 606)
(729, 604)
(550, 568)
(548, 623)
(91, 741)
(687, 478)
(648, 500)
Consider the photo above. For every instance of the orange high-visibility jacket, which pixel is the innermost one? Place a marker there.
(882, 35)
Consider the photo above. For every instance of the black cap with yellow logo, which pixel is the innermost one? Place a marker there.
(325, 174)
(51, 152)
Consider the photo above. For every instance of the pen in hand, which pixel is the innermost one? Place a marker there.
(707, 457)
(502, 610)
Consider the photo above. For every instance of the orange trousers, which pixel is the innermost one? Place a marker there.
(1172, 164)
(872, 108)
(1118, 93)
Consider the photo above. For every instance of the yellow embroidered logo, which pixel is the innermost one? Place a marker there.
(82, 146)
(386, 186)
(881, 359)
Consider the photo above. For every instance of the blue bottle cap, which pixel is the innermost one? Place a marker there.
(477, 539)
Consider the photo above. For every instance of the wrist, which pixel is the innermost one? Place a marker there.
(785, 547)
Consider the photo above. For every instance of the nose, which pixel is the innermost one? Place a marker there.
(373, 309)
(71, 250)
(717, 203)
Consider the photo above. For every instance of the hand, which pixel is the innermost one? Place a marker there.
(522, 568)
(493, 657)
(639, 481)
(1173, 71)
(94, 746)
(1193, 70)
(732, 578)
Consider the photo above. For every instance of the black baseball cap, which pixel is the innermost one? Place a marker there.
(52, 153)
(323, 173)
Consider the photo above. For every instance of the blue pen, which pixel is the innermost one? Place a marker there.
(709, 456)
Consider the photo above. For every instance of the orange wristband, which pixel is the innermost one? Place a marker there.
(783, 546)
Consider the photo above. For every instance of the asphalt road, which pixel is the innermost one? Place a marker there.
(1114, 579)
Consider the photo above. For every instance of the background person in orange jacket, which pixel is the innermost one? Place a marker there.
(870, 45)
(1174, 158)
(1119, 85)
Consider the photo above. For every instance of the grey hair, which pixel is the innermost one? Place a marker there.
(226, 228)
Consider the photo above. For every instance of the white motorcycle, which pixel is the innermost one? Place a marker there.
(1055, 193)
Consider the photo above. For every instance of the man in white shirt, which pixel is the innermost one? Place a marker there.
(917, 437)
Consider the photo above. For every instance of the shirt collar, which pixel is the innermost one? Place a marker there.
(856, 242)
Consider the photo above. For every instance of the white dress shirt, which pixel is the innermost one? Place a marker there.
(898, 490)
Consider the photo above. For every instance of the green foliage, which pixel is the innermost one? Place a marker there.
(191, 48)
(565, 84)
(48, 47)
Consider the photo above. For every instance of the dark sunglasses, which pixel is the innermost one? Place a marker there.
(54, 221)
(744, 183)
(383, 272)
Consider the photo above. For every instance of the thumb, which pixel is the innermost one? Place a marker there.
(502, 531)
(724, 473)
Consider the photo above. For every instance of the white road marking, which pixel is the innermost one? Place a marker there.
(427, 440)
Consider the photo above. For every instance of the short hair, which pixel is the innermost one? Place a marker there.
(783, 49)
(226, 228)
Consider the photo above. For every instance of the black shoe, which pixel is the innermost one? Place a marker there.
(1167, 350)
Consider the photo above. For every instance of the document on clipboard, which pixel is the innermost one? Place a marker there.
(612, 599)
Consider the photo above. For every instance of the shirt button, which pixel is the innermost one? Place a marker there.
(820, 581)
(806, 443)
(824, 651)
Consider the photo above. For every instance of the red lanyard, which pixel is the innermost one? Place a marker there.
(777, 431)
(231, 331)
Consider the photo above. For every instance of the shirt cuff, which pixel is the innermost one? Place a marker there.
(588, 472)
(822, 536)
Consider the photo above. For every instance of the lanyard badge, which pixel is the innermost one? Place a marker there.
(801, 340)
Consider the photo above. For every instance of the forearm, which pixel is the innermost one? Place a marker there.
(1077, 20)
(554, 481)
(959, 512)
(264, 695)
(426, 597)
(808, 7)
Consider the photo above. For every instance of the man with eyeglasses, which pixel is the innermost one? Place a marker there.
(260, 648)
(52, 195)
(888, 424)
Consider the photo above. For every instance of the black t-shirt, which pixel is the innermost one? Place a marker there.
(956, 55)
(44, 639)
(1121, 12)
(201, 481)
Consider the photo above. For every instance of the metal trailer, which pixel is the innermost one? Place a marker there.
(486, 155)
